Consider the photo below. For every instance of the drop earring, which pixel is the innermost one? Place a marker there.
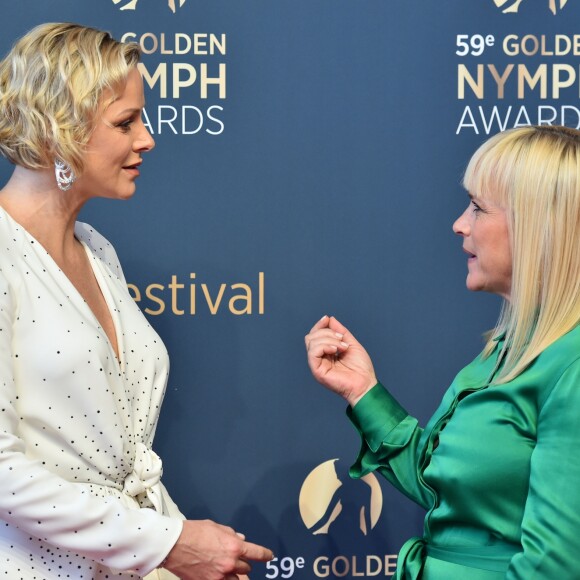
(65, 176)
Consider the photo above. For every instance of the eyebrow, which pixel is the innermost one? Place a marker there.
(131, 110)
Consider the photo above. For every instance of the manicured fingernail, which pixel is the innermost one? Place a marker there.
(338, 335)
(345, 344)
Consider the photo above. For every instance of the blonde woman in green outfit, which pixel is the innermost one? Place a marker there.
(496, 466)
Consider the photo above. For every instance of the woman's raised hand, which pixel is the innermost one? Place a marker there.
(338, 361)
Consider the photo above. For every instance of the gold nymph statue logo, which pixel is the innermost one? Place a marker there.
(329, 497)
(514, 5)
(132, 4)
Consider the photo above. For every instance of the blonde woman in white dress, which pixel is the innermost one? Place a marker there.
(82, 373)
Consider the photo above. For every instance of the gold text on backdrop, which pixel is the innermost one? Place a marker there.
(197, 43)
(184, 298)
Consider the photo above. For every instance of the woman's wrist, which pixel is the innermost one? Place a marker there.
(353, 399)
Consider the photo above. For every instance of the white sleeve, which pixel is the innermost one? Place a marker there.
(58, 511)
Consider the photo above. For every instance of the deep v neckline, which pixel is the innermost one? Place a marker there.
(96, 268)
(99, 278)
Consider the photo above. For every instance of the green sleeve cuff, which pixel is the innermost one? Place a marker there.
(376, 417)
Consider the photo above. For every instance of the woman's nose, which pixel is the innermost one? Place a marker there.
(461, 225)
(145, 142)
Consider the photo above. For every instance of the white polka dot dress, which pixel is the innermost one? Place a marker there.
(77, 473)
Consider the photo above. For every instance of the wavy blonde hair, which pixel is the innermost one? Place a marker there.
(51, 85)
(534, 174)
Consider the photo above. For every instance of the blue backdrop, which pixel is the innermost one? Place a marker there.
(308, 161)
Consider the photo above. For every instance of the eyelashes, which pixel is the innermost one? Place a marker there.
(476, 208)
(125, 126)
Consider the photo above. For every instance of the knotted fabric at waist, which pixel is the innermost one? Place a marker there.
(145, 477)
(495, 558)
(411, 559)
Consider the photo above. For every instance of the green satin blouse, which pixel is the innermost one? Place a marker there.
(497, 469)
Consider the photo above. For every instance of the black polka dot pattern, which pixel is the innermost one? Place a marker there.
(76, 424)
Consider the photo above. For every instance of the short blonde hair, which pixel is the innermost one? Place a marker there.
(534, 174)
(51, 85)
